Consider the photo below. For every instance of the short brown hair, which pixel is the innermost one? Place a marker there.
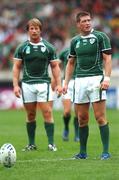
(81, 14)
(34, 22)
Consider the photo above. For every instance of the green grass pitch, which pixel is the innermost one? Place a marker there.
(45, 165)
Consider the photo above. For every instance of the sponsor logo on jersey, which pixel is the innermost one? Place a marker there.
(78, 44)
(35, 47)
(85, 41)
(28, 50)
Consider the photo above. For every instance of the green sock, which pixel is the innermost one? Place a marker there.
(76, 127)
(83, 133)
(104, 132)
(66, 122)
(31, 127)
(49, 127)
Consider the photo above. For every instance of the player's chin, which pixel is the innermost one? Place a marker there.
(35, 36)
(88, 29)
(104, 89)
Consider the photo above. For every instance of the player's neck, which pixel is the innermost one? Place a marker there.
(85, 33)
(35, 40)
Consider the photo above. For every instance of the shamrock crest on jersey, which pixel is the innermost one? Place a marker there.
(43, 48)
(92, 40)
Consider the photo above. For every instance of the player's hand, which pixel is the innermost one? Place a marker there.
(105, 84)
(17, 91)
(64, 90)
(58, 91)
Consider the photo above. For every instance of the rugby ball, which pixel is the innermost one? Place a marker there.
(7, 155)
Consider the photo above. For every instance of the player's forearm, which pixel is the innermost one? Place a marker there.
(67, 78)
(15, 82)
(16, 77)
(108, 66)
(57, 75)
(68, 73)
(16, 72)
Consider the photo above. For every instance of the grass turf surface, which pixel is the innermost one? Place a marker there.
(45, 165)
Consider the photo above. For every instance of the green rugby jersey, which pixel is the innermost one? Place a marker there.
(87, 51)
(63, 56)
(35, 58)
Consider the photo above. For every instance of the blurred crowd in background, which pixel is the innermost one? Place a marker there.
(58, 18)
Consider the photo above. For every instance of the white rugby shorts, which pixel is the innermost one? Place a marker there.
(70, 90)
(37, 92)
(87, 89)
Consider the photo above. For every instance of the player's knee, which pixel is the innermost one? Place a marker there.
(83, 119)
(67, 114)
(101, 120)
(31, 115)
(47, 113)
(83, 122)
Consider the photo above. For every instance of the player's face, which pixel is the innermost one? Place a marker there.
(84, 25)
(34, 33)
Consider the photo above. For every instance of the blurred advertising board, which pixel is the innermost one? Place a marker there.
(112, 97)
(9, 101)
(7, 98)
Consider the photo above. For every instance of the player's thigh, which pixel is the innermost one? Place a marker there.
(46, 110)
(70, 91)
(28, 93)
(95, 92)
(100, 111)
(67, 105)
(44, 92)
(80, 95)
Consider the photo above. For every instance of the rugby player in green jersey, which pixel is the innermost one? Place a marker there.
(91, 51)
(67, 100)
(34, 56)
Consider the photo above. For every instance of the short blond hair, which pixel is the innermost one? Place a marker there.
(34, 22)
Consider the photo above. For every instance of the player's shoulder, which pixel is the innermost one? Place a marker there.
(23, 44)
(65, 50)
(75, 38)
(48, 44)
(99, 33)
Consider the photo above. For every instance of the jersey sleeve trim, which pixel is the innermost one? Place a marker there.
(70, 55)
(107, 51)
(18, 59)
(55, 60)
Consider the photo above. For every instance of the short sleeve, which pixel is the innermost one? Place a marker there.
(18, 53)
(72, 52)
(105, 42)
(52, 54)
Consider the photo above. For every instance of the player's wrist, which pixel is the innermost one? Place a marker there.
(106, 78)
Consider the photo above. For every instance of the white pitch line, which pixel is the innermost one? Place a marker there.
(45, 160)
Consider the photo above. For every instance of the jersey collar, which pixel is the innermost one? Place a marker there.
(39, 43)
(88, 34)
